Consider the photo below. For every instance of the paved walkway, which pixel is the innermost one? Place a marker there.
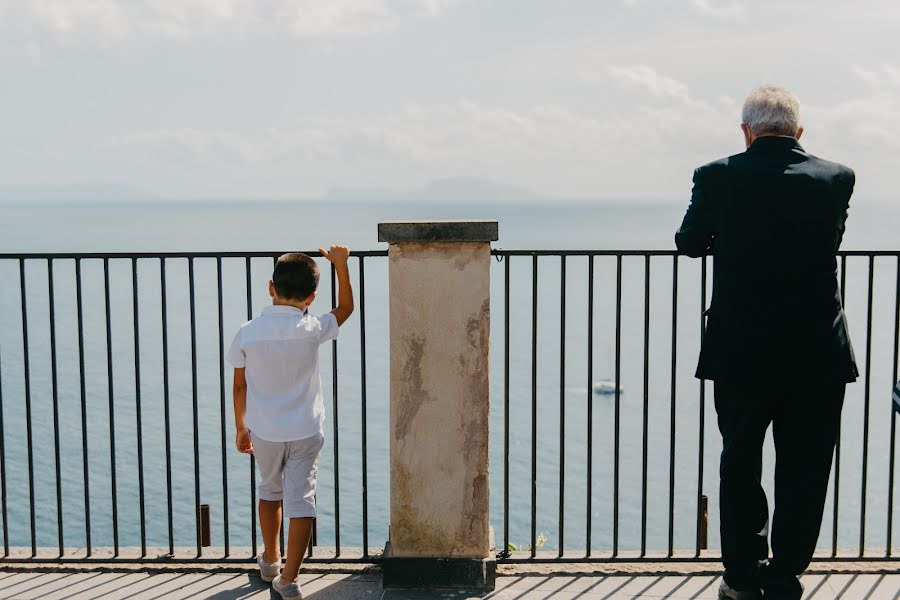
(333, 586)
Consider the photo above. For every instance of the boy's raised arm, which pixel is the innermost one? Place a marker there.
(338, 256)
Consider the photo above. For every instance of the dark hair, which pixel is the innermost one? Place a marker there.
(296, 276)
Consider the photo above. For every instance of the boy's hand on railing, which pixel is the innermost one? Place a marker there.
(338, 255)
(243, 442)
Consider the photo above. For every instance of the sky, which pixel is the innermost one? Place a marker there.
(563, 98)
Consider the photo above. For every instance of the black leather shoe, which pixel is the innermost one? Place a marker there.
(726, 592)
(783, 589)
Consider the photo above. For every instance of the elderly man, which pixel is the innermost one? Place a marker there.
(776, 342)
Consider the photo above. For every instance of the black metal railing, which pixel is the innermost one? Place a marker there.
(678, 527)
(128, 454)
(611, 478)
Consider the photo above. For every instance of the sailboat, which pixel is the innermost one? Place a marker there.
(607, 387)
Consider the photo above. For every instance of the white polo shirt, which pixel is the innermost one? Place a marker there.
(280, 351)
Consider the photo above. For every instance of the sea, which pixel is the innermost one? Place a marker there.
(128, 389)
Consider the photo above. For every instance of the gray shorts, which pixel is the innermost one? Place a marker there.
(287, 471)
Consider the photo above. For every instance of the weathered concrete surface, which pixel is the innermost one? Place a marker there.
(439, 322)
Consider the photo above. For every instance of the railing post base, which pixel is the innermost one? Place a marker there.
(439, 573)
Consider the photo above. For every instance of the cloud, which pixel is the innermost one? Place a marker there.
(115, 21)
(719, 9)
(871, 121)
(315, 139)
(646, 77)
(865, 124)
(549, 148)
(731, 10)
(885, 76)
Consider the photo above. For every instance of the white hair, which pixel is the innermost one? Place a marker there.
(772, 110)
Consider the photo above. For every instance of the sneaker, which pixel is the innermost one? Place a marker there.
(726, 592)
(268, 571)
(288, 591)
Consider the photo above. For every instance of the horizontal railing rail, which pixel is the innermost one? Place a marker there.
(121, 255)
(499, 252)
(118, 453)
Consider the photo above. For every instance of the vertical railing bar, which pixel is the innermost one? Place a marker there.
(562, 401)
(334, 400)
(837, 445)
(645, 428)
(112, 414)
(27, 372)
(363, 424)
(3, 471)
(618, 407)
(281, 536)
(892, 459)
(534, 337)
(166, 416)
(194, 402)
(55, 398)
(137, 405)
(248, 269)
(222, 409)
(590, 405)
(672, 408)
(79, 307)
(506, 294)
(865, 456)
(702, 419)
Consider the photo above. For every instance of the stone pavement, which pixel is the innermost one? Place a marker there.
(105, 585)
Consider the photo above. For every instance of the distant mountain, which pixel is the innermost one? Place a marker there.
(473, 189)
(454, 191)
(466, 190)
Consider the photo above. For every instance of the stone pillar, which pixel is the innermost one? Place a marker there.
(440, 400)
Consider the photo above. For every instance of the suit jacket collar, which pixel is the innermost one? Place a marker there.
(775, 143)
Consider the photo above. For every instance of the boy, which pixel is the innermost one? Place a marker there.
(278, 408)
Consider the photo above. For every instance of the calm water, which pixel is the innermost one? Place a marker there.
(277, 226)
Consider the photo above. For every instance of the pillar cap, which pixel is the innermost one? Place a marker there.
(438, 231)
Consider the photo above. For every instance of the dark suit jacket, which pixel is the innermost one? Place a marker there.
(773, 218)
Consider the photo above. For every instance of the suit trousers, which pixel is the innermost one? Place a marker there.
(805, 418)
